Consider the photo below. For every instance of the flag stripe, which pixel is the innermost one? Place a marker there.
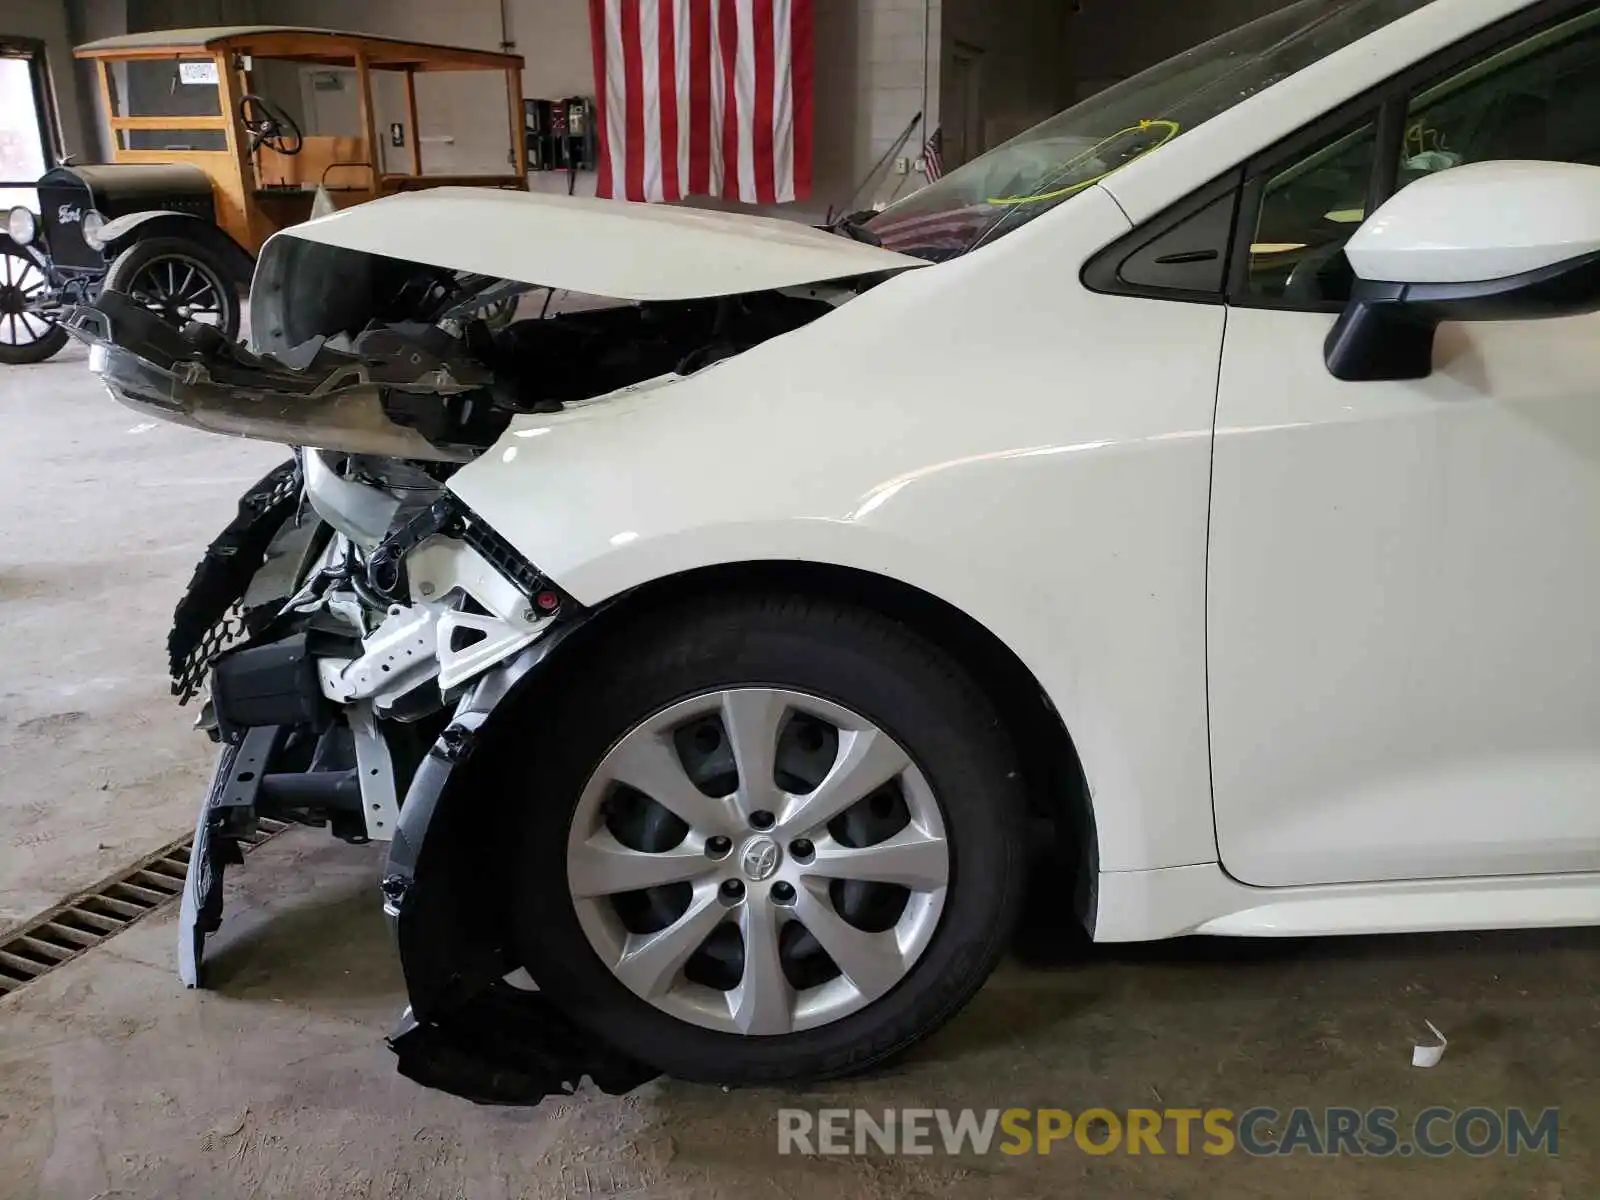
(650, 94)
(744, 75)
(673, 147)
(719, 100)
(782, 105)
(703, 97)
(600, 40)
(889, 221)
(728, 48)
(804, 67)
(761, 116)
(633, 76)
(933, 155)
(700, 98)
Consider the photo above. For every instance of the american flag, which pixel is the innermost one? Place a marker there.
(933, 154)
(703, 97)
(941, 229)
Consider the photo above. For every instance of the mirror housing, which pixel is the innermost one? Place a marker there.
(1493, 241)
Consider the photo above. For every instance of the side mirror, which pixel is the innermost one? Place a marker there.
(1493, 241)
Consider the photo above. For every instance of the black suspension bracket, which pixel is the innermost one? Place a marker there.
(448, 517)
(386, 565)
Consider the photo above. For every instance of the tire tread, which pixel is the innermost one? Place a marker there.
(679, 639)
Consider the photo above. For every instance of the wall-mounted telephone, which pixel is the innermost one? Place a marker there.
(560, 134)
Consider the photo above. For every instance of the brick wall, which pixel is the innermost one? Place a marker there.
(891, 52)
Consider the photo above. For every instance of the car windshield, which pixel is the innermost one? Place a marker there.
(1073, 150)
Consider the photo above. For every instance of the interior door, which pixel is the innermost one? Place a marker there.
(1403, 626)
(962, 104)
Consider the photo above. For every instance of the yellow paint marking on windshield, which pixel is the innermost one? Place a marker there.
(1172, 128)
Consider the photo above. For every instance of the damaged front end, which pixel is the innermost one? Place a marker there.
(357, 627)
(367, 397)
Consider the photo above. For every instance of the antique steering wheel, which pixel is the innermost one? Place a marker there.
(268, 125)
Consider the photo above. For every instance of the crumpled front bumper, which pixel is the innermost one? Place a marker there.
(472, 1026)
(324, 397)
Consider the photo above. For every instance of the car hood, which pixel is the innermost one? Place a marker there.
(601, 247)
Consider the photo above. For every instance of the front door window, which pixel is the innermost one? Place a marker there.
(1532, 100)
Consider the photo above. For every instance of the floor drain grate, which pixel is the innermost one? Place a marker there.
(62, 933)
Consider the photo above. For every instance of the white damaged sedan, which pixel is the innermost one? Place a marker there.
(1193, 503)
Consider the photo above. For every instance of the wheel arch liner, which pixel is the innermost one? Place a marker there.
(465, 1029)
(445, 954)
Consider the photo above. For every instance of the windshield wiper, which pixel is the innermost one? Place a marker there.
(854, 227)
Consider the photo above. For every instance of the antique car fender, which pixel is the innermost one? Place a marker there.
(121, 232)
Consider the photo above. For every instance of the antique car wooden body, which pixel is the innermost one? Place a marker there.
(205, 166)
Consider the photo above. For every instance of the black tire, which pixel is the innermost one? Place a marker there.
(144, 269)
(855, 658)
(18, 344)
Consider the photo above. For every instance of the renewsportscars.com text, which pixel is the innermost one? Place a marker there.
(1260, 1131)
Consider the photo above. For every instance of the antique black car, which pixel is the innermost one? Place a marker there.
(205, 168)
(180, 263)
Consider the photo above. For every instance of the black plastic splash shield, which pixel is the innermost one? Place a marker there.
(509, 1046)
(465, 1030)
(208, 618)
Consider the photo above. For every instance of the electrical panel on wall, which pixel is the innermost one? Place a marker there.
(560, 134)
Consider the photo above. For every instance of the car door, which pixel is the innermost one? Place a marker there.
(1403, 626)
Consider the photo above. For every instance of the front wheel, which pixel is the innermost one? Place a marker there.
(178, 280)
(25, 336)
(768, 840)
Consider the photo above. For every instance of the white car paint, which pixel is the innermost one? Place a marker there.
(1397, 653)
(1138, 906)
(1061, 501)
(1402, 606)
(1452, 227)
(609, 248)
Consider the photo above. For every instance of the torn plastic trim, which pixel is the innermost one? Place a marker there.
(363, 514)
(335, 401)
(233, 584)
(472, 1025)
(511, 1046)
(445, 955)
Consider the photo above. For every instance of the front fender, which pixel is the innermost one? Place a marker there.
(1047, 475)
(122, 232)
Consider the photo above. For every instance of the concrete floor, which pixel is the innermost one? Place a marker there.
(105, 514)
(115, 1082)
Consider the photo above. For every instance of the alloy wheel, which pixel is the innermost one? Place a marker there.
(758, 861)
